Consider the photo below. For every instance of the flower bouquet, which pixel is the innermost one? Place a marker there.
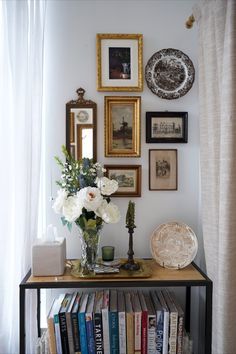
(84, 199)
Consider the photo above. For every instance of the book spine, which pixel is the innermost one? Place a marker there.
(98, 335)
(57, 334)
(114, 336)
(130, 333)
(144, 333)
(90, 333)
(166, 332)
(122, 332)
(173, 333)
(75, 331)
(69, 333)
(83, 336)
(105, 329)
(137, 332)
(180, 335)
(159, 326)
(64, 336)
(151, 334)
(51, 336)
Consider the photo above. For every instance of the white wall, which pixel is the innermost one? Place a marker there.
(70, 62)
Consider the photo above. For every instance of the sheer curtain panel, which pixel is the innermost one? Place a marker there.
(217, 84)
(21, 72)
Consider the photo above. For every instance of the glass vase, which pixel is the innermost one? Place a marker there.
(90, 239)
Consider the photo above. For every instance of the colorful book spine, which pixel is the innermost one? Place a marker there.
(144, 323)
(50, 322)
(129, 324)
(137, 322)
(75, 323)
(173, 322)
(105, 322)
(69, 325)
(82, 324)
(166, 322)
(151, 342)
(63, 326)
(113, 323)
(159, 322)
(122, 322)
(89, 324)
(98, 332)
(180, 328)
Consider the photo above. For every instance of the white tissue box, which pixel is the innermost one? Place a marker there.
(48, 258)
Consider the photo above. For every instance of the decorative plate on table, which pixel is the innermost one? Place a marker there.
(174, 245)
(169, 73)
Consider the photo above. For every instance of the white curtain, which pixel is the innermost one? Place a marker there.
(21, 73)
(217, 85)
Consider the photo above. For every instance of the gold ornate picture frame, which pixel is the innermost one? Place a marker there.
(122, 126)
(128, 178)
(119, 62)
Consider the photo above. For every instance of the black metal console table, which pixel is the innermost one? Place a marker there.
(191, 276)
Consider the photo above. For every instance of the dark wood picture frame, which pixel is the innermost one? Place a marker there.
(132, 174)
(166, 127)
(81, 116)
(163, 169)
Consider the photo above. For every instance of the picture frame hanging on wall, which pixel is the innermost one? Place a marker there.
(128, 178)
(122, 126)
(119, 62)
(166, 127)
(163, 169)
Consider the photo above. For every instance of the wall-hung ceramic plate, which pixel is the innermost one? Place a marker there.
(169, 73)
(174, 245)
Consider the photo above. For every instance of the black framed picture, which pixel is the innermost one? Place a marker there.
(166, 127)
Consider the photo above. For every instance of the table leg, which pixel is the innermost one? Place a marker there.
(38, 312)
(208, 318)
(22, 319)
(188, 308)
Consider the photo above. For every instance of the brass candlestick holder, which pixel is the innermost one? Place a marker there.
(130, 264)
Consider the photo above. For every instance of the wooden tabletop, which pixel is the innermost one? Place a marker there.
(156, 273)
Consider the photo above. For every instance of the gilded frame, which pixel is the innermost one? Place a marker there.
(128, 177)
(110, 48)
(122, 135)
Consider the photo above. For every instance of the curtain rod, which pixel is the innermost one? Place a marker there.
(190, 21)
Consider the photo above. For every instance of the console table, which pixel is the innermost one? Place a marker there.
(188, 277)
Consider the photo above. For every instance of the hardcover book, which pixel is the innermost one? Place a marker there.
(166, 322)
(75, 323)
(144, 322)
(113, 323)
(159, 322)
(89, 323)
(69, 324)
(173, 322)
(50, 322)
(82, 324)
(129, 324)
(98, 335)
(180, 328)
(151, 339)
(57, 325)
(122, 322)
(63, 326)
(105, 322)
(137, 322)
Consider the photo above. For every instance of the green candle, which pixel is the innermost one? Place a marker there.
(130, 215)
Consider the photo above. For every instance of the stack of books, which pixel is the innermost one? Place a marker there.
(116, 322)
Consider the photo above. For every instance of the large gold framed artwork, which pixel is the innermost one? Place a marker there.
(122, 126)
(119, 62)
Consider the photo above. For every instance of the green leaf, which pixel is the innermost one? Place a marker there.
(91, 224)
(69, 226)
(64, 221)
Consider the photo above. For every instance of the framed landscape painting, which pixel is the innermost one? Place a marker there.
(119, 62)
(166, 127)
(122, 126)
(163, 173)
(128, 178)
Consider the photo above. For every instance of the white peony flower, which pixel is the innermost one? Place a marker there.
(59, 201)
(90, 198)
(109, 212)
(107, 186)
(72, 208)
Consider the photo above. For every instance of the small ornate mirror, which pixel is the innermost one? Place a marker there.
(81, 127)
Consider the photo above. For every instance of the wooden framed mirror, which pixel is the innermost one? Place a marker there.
(81, 127)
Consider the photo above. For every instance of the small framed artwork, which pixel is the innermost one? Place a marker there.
(128, 178)
(163, 171)
(122, 126)
(119, 62)
(166, 127)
